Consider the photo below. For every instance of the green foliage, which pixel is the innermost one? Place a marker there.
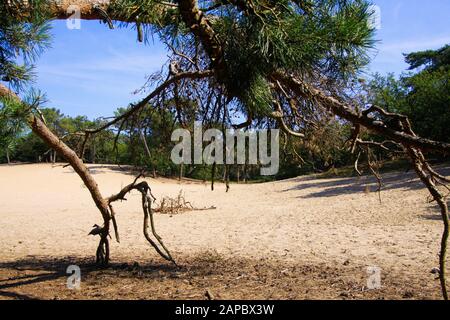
(332, 40)
(428, 103)
(21, 41)
(12, 124)
(430, 59)
(151, 19)
(386, 91)
(424, 97)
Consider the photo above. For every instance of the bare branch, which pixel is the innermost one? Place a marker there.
(135, 108)
(342, 110)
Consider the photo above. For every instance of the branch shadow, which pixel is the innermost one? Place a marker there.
(345, 186)
(44, 269)
(16, 282)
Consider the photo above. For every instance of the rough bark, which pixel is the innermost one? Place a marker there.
(63, 9)
(197, 22)
(5, 92)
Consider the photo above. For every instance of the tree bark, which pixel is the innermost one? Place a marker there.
(63, 9)
(41, 130)
(199, 25)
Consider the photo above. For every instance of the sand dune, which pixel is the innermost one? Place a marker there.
(45, 211)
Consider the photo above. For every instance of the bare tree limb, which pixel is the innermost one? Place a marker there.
(135, 108)
(340, 109)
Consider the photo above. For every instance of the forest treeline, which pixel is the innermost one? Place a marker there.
(422, 93)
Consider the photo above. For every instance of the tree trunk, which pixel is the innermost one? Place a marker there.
(245, 173)
(181, 172)
(7, 156)
(93, 152)
(41, 130)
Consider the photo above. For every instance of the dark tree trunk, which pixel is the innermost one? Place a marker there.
(93, 152)
(7, 156)
(181, 171)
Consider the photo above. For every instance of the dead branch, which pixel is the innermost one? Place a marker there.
(144, 102)
(278, 115)
(404, 137)
(147, 198)
(426, 177)
(178, 205)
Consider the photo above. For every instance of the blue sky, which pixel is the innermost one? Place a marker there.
(94, 70)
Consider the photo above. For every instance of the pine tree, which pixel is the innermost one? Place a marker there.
(278, 63)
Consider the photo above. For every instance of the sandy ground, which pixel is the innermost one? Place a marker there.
(303, 238)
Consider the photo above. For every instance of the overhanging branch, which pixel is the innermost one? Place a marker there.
(88, 9)
(342, 110)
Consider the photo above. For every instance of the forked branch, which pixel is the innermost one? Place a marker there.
(147, 198)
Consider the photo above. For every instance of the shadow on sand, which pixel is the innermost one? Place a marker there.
(344, 186)
(37, 274)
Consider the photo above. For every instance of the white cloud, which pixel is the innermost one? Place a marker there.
(413, 45)
(117, 74)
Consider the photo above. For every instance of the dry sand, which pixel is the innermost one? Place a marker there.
(298, 238)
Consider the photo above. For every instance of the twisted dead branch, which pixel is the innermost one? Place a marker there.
(147, 198)
(178, 205)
